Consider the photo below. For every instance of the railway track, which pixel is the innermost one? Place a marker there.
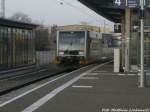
(15, 72)
(20, 81)
(5, 78)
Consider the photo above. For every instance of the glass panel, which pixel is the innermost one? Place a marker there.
(14, 46)
(5, 43)
(147, 49)
(23, 46)
(134, 49)
(33, 47)
(17, 47)
(1, 49)
(9, 47)
(26, 47)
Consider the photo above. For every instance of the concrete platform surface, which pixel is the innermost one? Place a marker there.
(90, 89)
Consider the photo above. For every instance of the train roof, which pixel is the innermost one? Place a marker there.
(71, 30)
(17, 24)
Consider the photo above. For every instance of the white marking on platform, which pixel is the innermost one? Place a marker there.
(89, 78)
(100, 71)
(121, 74)
(126, 74)
(92, 74)
(82, 86)
(52, 94)
(131, 74)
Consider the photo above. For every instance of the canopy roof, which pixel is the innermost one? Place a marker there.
(105, 8)
(16, 24)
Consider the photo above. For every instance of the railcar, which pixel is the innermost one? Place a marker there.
(81, 47)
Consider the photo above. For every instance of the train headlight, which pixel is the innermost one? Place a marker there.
(61, 53)
(81, 53)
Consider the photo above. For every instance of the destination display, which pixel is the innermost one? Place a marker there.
(113, 42)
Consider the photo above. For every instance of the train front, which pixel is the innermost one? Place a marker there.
(71, 47)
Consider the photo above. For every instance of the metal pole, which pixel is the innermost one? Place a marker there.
(104, 25)
(142, 44)
(3, 8)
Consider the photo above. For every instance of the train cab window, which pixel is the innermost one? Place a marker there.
(72, 40)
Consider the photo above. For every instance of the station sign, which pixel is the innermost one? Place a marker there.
(119, 4)
(122, 4)
(133, 3)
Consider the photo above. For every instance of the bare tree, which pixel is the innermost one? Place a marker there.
(20, 16)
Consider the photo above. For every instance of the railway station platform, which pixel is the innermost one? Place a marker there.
(95, 88)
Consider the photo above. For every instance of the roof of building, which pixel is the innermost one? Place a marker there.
(16, 24)
(105, 8)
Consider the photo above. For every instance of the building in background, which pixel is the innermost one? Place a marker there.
(53, 34)
(42, 39)
(45, 44)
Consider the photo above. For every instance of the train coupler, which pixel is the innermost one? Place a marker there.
(83, 62)
(57, 61)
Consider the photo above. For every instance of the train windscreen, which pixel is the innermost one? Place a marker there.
(69, 41)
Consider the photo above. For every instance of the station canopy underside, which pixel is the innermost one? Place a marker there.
(105, 8)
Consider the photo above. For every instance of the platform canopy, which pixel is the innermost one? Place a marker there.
(17, 24)
(105, 8)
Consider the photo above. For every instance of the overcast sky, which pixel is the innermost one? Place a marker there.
(53, 12)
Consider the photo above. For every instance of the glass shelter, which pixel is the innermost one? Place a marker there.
(17, 44)
(135, 40)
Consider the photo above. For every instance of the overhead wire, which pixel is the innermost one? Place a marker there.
(77, 8)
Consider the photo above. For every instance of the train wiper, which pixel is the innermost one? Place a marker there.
(70, 45)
